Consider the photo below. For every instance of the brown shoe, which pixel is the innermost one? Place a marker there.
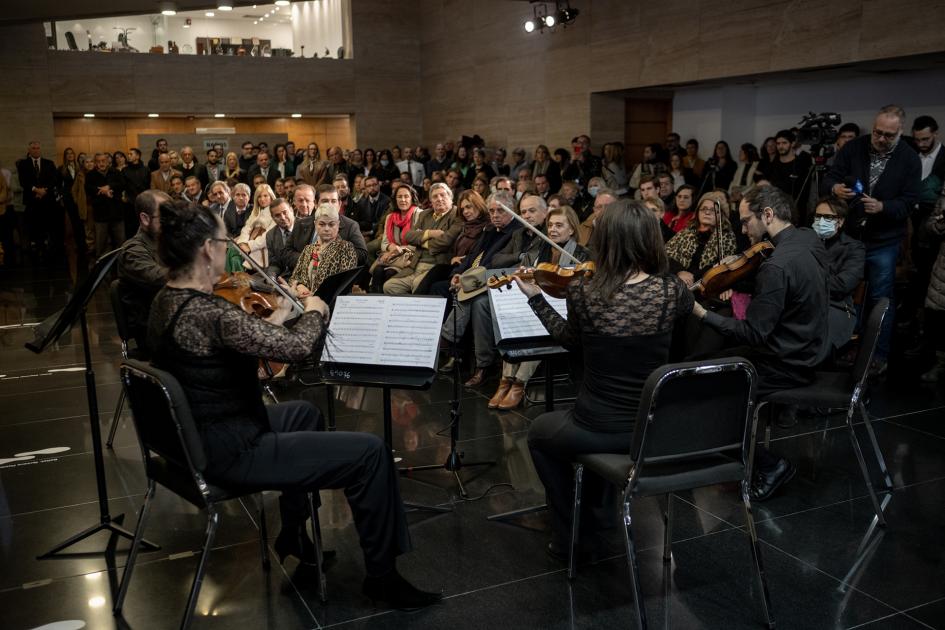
(504, 384)
(477, 378)
(514, 398)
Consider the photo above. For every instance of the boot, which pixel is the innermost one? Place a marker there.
(477, 378)
(514, 398)
(505, 383)
(938, 370)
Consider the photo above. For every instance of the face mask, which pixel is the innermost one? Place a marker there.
(593, 190)
(385, 162)
(825, 228)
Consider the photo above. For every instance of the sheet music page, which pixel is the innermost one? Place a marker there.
(385, 330)
(515, 317)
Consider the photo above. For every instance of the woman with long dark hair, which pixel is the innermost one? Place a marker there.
(622, 320)
(745, 173)
(720, 169)
(213, 348)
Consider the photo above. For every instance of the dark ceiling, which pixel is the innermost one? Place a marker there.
(56, 10)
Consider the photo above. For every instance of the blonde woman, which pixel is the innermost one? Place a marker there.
(231, 168)
(252, 238)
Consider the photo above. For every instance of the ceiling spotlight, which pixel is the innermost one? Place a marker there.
(154, 115)
(168, 12)
(89, 115)
(529, 26)
(296, 115)
(549, 21)
(282, 3)
(566, 14)
(255, 21)
(225, 5)
(209, 13)
(219, 115)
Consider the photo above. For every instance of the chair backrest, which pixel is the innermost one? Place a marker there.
(170, 443)
(869, 338)
(695, 409)
(118, 310)
(337, 285)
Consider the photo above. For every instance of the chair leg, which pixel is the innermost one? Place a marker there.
(263, 533)
(135, 548)
(115, 417)
(880, 460)
(213, 521)
(864, 469)
(575, 520)
(632, 564)
(668, 529)
(756, 555)
(763, 405)
(316, 539)
(330, 399)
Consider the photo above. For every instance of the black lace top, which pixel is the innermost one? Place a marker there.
(622, 339)
(213, 347)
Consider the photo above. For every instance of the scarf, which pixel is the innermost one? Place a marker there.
(468, 238)
(400, 221)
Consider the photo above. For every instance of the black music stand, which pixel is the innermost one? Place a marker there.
(48, 333)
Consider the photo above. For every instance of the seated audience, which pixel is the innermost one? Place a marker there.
(325, 257)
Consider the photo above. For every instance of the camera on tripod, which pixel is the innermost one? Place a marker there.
(819, 132)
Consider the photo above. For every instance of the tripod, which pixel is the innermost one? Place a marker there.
(454, 461)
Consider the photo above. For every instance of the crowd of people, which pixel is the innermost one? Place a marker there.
(836, 233)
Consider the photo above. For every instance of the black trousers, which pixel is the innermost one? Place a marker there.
(297, 458)
(553, 440)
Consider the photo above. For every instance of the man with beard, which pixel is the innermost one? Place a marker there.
(792, 173)
(213, 171)
(140, 272)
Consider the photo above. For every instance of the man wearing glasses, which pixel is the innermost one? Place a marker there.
(879, 178)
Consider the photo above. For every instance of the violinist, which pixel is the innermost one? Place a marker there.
(785, 326)
(695, 249)
(628, 308)
(562, 225)
(212, 347)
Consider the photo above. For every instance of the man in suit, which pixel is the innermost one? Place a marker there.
(369, 208)
(412, 167)
(103, 186)
(161, 178)
(237, 210)
(264, 167)
(213, 170)
(44, 216)
(193, 191)
(190, 167)
(276, 239)
(304, 231)
(160, 146)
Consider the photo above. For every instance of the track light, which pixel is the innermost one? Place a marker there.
(529, 26)
(549, 21)
(561, 14)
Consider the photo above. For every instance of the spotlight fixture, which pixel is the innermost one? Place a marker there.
(544, 17)
(154, 115)
(225, 5)
(88, 115)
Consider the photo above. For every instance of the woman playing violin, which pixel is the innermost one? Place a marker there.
(212, 347)
(695, 249)
(627, 309)
(562, 225)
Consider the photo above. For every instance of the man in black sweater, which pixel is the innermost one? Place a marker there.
(785, 324)
(104, 186)
(889, 172)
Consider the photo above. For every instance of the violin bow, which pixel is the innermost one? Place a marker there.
(536, 231)
(262, 272)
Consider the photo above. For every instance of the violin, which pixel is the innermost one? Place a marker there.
(254, 298)
(552, 279)
(731, 269)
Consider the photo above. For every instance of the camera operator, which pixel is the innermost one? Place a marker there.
(889, 172)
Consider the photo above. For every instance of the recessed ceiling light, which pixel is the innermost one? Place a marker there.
(255, 21)
(89, 115)
(209, 13)
(168, 12)
(225, 5)
(153, 115)
(219, 115)
(282, 3)
(296, 115)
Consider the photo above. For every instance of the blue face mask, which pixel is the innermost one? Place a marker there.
(593, 190)
(385, 162)
(825, 228)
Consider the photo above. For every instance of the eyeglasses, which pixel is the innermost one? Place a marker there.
(219, 240)
(889, 135)
(826, 217)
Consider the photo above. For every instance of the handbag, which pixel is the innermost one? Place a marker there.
(406, 259)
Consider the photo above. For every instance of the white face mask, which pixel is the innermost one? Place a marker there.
(825, 228)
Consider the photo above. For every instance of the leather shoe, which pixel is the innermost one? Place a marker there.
(397, 592)
(765, 484)
(448, 366)
(504, 384)
(514, 398)
(477, 378)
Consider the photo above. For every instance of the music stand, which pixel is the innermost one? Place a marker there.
(48, 333)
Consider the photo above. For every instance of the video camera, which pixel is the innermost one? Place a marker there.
(819, 132)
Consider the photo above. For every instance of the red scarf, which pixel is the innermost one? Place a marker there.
(401, 221)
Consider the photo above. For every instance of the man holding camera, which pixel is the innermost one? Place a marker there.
(878, 176)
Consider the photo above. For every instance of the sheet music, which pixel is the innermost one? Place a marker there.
(385, 330)
(515, 317)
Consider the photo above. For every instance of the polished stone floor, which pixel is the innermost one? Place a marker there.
(827, 567)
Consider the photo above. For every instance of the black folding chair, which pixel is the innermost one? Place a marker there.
(174, 458)
(848, 390)
(127, 351)
(695, 428)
